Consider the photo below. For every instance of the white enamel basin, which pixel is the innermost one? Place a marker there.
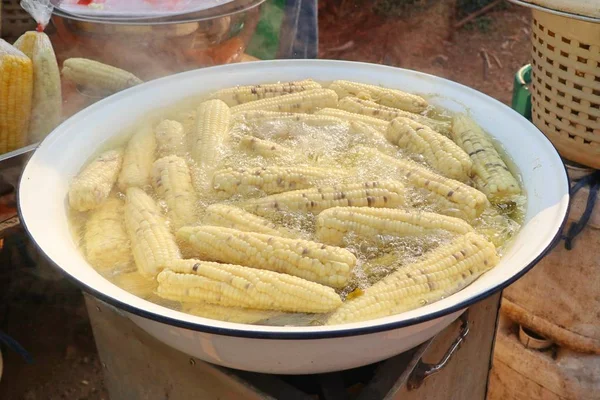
(288, 350)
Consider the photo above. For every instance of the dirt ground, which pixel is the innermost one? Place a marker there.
(46, 314)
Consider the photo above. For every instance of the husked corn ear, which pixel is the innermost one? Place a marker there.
(334, 224)
(379, 124)
(228, 314)
(172, 182)
(135, 283)
(170, 138)
(448, 196)
(492, 175)
(46, 108)
(313, 261)
(264, 148)
(235, 218)
(269, 180)
(366, 194)
(137, 161)
(368, 135)
(237, 286)
(441, 153)
(107, 244)
(440, 273)
(372, 109)
(152, 243)
(244, 94)
(254, 117)
(92, 186)
(97, 76)
(300, 102)
(387, 97)
(16, 85)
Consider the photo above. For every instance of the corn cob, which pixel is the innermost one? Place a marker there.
(368, 135)
(46, 109)
(387, 97)
(440, 273)
(212, 126)
(312, 261)
(446, 195)
(254, 117)
(135, 283)
(236, 218)
(107, 245)
(269, 180)
(152, 243)
(300, 102)
(172, 182)
(372, 109)
(170, 138)
(244, 94)
(378, 124)
(439, 152)
(92, 186)
(492, 176)
(137, 161)
(237, 286)
(264, 148)
(228, 314)
(104, 79)
(334, 224)
(366, 194)
(16, 85)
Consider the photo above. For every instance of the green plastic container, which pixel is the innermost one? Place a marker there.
(521, 99)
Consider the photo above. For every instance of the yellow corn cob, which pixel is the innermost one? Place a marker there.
(227, 314)
(135, 283)
(96, 76)
(379, 124)
(137, 161)
(172, 182)
(254, 117)
(244, 94)
(235, 218)
(313, 261)
(366, 194)
(372, 109)
(370, 223)
(441, 153)
(92, 186)
(236, 286)
(46, 109)
(440, 273)
(300, 102)
(16, 85)
(170, 138)
(152, 243)
(492, 175)
(264, 148)
(447, 196)
(387, 97)
(269, 180)
(107, 245)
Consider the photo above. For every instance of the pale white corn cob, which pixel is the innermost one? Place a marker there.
(137, 161)
(257, 117)
(492, 175)
(135, 283)
(170, 138)
(313, 261)
(244, 94)
(366, 194)
(236, 218)
(264, 148)
(300, 102)
(379, 124)
(107, 244)
(440, 273)
(367, 135)
(94, 183)
(228, 314)
(172, 182)
(94, 75)
(237, 286)
(152, 243)
(334, 224)
(441, 153)
(387, 97)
